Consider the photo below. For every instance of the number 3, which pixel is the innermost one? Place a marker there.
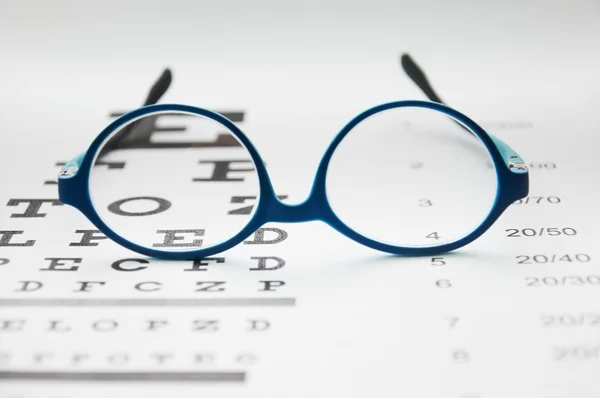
(425, 202)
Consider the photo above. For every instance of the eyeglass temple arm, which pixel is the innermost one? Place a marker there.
(139, 131)
(135, 131)
(160, 87)
(416, 74)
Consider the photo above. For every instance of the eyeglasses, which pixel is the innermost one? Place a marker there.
(407, 177)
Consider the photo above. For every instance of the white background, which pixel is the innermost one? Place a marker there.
(365, 323)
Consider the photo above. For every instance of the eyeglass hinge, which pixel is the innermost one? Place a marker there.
(517, 163)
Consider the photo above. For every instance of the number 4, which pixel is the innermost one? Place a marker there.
(433, 235)
(452, 320)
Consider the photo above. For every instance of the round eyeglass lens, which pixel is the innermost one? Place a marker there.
(411, 177)
(174, 181)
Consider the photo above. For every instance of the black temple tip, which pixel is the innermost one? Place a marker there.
(412, 69)
(160, 87)
(417, 75)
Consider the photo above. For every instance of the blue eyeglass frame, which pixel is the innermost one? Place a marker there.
(511, 172)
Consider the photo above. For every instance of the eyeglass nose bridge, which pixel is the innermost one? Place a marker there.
(314, 208)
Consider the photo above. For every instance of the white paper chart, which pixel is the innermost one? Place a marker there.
(298, 309)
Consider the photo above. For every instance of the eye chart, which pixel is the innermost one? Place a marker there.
(297, 309)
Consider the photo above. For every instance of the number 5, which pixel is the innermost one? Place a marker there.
(438, 261)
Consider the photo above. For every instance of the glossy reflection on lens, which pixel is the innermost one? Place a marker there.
(411, 177)
(174, 182)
